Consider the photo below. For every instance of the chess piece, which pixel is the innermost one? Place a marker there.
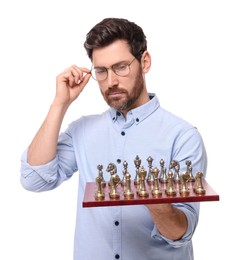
(176, 167)
(156, 191)
(112, 169)
(190, 170)
(142, 192)
(99, 194)
(163, 176)
(150, 176)
(137, 163)
(100, 174)
(198, 187)
(170, 190)
(125, 165)
(114, 181)
(128, 193)
(184, 191)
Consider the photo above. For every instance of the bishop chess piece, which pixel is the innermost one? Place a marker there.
(99, 194)
(137, 163)
(184, 191)
(128, 193)
(142, 191)
(100, 174)
(163, 176)
(150, 176)
(156, 191)
(198, 186)
(170, 189)
(125, 165)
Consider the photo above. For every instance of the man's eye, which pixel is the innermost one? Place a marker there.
(100, 70)
(120, 67)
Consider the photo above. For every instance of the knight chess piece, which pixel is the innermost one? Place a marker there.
(198, 187)
(170, 189)
(184, 191)
(190, 170)
(128, 193)
(156, 191)
(99, 194)
(137, 163)
(150, 176)
(176, 168)
(142, 191)
(114, 181)
(112, 169)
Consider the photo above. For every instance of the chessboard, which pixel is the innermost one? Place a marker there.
(155, 186)
(90, 199)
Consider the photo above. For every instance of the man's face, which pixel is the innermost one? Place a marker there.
(121, 93)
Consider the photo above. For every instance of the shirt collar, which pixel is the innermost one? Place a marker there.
(139, 113)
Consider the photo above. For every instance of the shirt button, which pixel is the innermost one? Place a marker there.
(123, 133)
(116, 223)
(117, 256)
(137, 120)
(118, 113)
(118, 160)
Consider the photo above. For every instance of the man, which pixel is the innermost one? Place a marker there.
(134, 125)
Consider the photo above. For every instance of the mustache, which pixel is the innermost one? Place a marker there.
(114, 89)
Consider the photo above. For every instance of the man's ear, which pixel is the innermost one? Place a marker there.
(146, 61)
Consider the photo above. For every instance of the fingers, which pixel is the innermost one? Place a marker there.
(75, 76)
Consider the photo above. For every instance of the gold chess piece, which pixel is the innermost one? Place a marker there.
(184, 191)
(156, 191)
(142, 192)
(190, 170)
(99, 194)
(198, 187)
(128, 193)
(170, 189)
(114, 181)
(100, 174)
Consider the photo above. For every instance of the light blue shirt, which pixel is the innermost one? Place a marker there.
(122, 232)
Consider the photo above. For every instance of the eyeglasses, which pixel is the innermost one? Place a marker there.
(121, 69)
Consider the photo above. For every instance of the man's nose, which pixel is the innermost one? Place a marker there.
(112, 78)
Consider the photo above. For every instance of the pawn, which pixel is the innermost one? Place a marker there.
(170, 190)
(99, 195)
(198, 187)
(128, 193)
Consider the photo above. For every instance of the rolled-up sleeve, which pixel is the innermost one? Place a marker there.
(191, 211)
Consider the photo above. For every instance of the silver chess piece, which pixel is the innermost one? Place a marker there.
(99, 194)
(150, 176)
(176, 168)
(190, 170)
(163, 176)
(137, 163)
(101, 175)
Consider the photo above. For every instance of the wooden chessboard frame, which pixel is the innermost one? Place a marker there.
(91, 187)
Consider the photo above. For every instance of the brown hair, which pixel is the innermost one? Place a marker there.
(111, 29)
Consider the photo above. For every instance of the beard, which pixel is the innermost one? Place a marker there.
(128, 99)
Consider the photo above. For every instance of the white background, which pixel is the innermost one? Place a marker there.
(193, 51)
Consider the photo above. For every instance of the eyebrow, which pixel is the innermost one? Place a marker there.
(123, 61)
